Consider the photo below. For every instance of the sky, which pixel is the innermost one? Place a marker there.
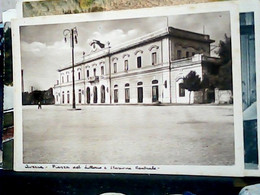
(6, 5)
(44, 50)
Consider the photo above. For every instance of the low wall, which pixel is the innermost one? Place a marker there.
(223, 96)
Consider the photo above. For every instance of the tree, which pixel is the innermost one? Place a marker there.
(37, 96)
(44, 96)
(191, 82)
(224, 51)
(225, 70)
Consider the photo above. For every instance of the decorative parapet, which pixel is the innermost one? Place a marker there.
(187, 61)
(93, 79)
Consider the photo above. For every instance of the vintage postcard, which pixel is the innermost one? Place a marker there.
(139, 91)
(36, 8)
(249, 30)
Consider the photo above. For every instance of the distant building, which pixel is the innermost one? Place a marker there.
(146, 70)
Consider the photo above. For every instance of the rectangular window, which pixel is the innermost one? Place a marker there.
(102, 70)
(79, 75)
(67, 78)
(181, 90)
(87, 73)
(62, 79)
(95, 72)
(154, 58)
(126, 65)
(63, 97)
(139, 62)
(187, 54)
(179, 54)
(127, 95)
(115, 67)
(116, 96)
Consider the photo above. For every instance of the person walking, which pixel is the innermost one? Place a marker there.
(39, 105)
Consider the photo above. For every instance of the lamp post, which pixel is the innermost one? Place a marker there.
(72, 34)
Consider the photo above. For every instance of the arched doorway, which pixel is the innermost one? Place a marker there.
(88, 95)
(95, 94)
(140, 92)
(103, 94)
(127, 93)
(63, 97)
(155, 91)
(115, 93)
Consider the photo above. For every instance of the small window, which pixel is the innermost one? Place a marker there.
(179, 54)
(102, 70)
(62, 79)
(181, 90)
(139, 62)
(139, 83)
(115, 67)
(79, 75)
(95, 72)
(68, 78)
(154, 58)
(127, 85)
(155, 82)
(187, 54)
(165, 84)
(87, 73)
(126, 65)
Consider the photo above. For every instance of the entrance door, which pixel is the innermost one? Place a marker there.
(103, 94)
(95, 94)
(140, 94)
(155, 93)
(88, 95)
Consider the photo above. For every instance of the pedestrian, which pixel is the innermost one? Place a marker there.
(39, 105)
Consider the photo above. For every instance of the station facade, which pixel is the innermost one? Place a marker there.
(146, 70)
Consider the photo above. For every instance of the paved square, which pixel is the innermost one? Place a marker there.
(144, 135)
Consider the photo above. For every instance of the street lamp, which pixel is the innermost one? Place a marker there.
(72, 34)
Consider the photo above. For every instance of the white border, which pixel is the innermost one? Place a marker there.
(254, 6)
(232, 7)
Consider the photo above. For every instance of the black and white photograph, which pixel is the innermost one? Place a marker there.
(140, 91)
(249, 91)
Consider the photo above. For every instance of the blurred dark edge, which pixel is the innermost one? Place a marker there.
(81, 183)
(249, 89)
(1, 81)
